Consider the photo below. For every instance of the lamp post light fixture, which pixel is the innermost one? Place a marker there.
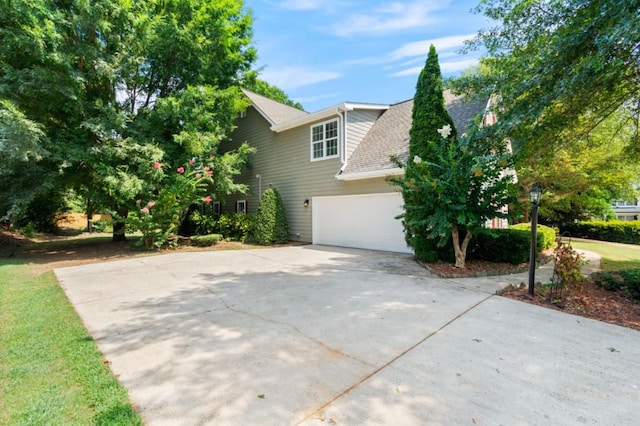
(534, 194)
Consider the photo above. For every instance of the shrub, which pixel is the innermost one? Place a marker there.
(615, 231)
(196, 223)
(205, 240)
(546, 236)
(235, 226)
(568, 263)
(426, 250)
(502, 245)
(632, 281)
(270, 223)
(610, 281)
(628, 279)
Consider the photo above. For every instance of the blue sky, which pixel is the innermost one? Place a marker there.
(323, 52)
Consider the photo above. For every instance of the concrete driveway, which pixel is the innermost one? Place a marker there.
(322, 336)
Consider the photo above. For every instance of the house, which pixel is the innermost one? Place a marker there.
(331, 167)
(627, 210)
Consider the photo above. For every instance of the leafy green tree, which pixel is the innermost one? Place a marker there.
(465, 183)
(558, 65)
(114, 86)
(581, 180)
(270, 225)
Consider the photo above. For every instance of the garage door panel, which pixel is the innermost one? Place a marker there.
(360, 221)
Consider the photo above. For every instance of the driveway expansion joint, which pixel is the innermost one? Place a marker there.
(364, 379)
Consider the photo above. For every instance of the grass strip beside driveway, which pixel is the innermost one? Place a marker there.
(615, 256)
(51, 371)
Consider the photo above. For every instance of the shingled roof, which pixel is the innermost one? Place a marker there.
(390, 134)
(274, 112)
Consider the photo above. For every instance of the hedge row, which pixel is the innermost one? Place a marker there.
(512, 245)
(616, 231)
(233, 226)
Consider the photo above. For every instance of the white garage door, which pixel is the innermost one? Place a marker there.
(360, 221)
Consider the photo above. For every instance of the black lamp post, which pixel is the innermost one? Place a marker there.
(534, 193)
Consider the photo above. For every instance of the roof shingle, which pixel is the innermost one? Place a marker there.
(389, 135)
(275, 112)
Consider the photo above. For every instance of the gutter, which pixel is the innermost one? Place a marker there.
(396, 171)
(316, 116)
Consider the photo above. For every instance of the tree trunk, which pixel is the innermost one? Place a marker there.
(460, 250)
(119, 227)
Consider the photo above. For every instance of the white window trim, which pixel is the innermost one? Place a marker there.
(324, 141)
(216, 207)
(244, 206)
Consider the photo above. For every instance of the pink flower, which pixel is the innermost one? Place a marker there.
(192, 161)
(138, 201)
(198, 175)
(180, 170)
(207, 199)
(209, 172)
(151, 204)
(145, 210)
(157, 165)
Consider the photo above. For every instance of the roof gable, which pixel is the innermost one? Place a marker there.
(273, 111)
(390, 134)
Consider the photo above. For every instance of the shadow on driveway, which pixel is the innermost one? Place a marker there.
(315, 334)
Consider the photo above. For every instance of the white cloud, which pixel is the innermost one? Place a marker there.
(421, 48)
(392, 17)
(293, 77)
(449, 67)
(298, 4)
(456, 66)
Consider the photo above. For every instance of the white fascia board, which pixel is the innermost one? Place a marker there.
(396, 171)
(323, 114)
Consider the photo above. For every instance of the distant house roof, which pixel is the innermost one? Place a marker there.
(274, 112)
(390, 136)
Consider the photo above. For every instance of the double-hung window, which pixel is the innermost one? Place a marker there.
(324, 140)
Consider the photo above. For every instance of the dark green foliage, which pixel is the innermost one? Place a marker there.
(205, 240)
(528, 52)
(546, 235)
(632, 279)
(196, 223)
(429, 114)
(502, 245)
(628, 279)
(91, 93)
(610, 281)
(270, 225)
(235, 226)
(426, 249)
(512, 245)
(615, 231)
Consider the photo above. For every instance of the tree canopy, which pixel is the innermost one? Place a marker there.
(558, 65)
(92, 94)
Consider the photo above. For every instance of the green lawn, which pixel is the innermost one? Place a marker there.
(614, 256)
(51, 371)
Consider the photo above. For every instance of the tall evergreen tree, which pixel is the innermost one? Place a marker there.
(451, 185)
(429, 114)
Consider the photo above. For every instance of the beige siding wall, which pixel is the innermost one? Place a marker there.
(358, 124)
(283, 161)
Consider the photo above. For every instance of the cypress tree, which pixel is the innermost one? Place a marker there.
(429, 114)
